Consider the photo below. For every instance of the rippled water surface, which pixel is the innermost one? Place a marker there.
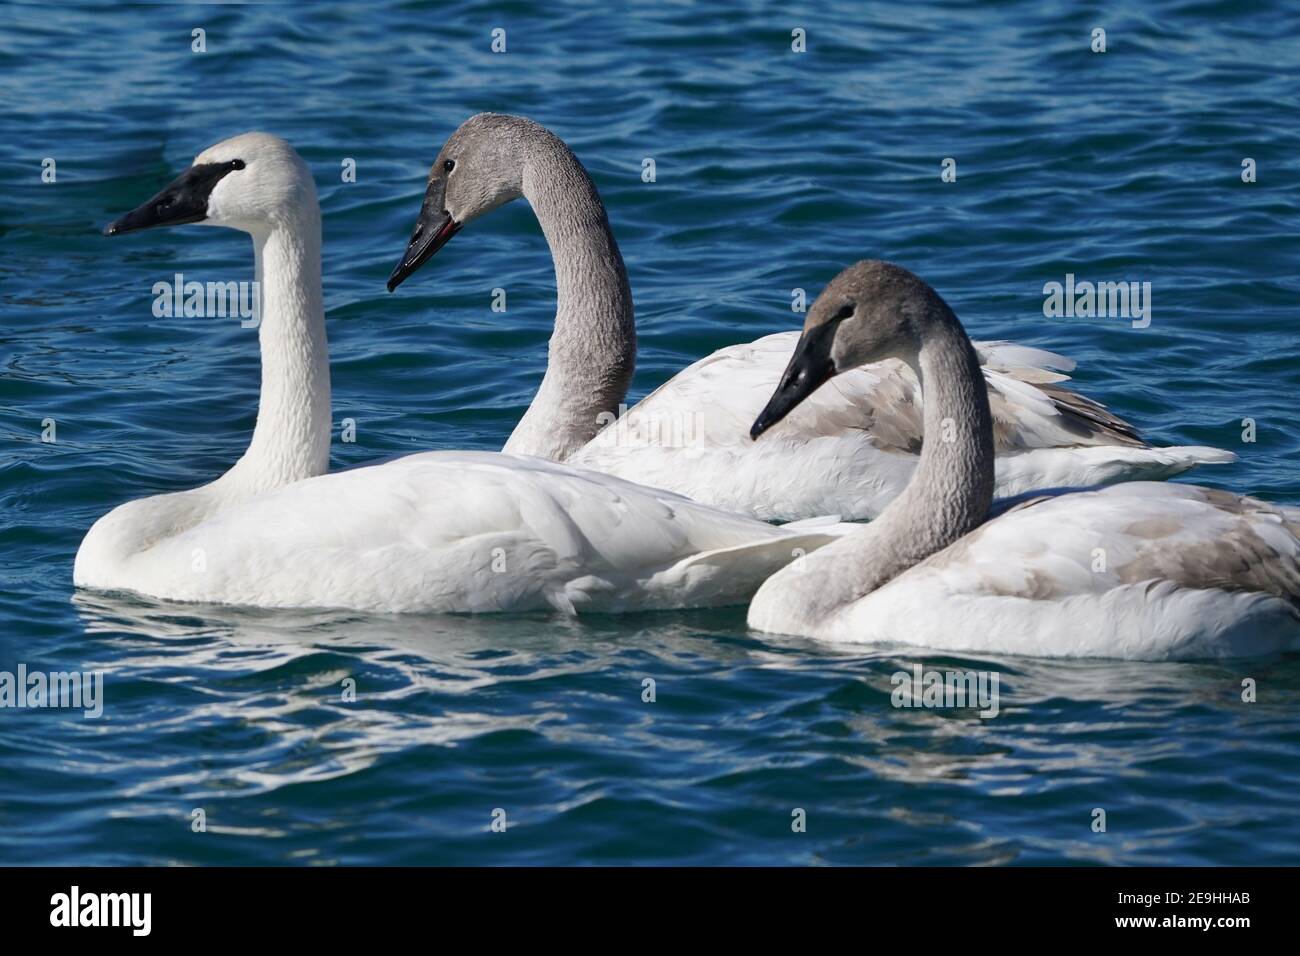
(774, 170)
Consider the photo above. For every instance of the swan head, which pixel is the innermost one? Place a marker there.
(249, 182)
(478, 169)
(870, 312)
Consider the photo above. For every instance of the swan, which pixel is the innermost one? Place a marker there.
(431, 532)
(849, 449)
(1144, 570)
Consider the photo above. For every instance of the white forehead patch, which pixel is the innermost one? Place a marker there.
(245, 146)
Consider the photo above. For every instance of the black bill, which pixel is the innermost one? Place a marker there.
(183, 200)
(810, 366)
(432, 230)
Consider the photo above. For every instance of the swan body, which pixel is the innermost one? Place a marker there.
(851, 447)
(849, 451)
(1142, 570)
(446, 531)
(439, 531)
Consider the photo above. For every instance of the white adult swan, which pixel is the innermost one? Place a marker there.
(439, 531)
(1145, 571)
(849, 450)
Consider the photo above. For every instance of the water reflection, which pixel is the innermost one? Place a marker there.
(236, 702)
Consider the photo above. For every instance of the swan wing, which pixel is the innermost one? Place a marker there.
(1143, 570)
(714, 402)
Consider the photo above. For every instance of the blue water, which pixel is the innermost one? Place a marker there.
(774, 170)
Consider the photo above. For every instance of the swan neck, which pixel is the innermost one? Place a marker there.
(292, 436)
(947, 497)
(592, 351)
(952, 487)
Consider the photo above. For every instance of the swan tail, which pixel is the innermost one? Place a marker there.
(1159, 463)
(731, 575)
(1194, 455)
(1092, 466)
(823, 524)
(1156, 464)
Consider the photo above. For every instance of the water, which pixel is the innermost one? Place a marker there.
(774, 170)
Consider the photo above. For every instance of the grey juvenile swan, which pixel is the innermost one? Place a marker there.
(1145, 571)
(848, 450)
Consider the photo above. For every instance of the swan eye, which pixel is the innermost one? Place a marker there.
(236, 164)
(844, 312)
(448, 165)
